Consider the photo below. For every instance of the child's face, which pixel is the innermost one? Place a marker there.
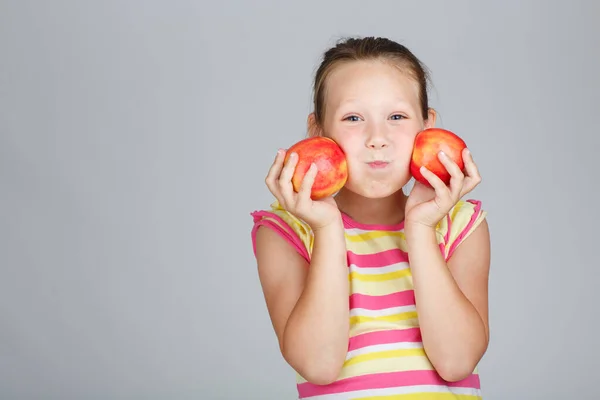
(373, 113)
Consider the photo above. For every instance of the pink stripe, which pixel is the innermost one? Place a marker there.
(385, 380)
(284, 231)
(411, 335)
(443, 249)
(463, 233)
(380, 259)
(448, 223)
(396, 299)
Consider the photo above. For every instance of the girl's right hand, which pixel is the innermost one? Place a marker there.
(316, 213)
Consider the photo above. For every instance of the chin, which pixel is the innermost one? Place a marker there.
(375, 190)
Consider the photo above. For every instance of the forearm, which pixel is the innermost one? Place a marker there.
(453, 332)
(316, 334)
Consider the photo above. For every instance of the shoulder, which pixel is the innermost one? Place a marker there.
(295, 231)
(460, 222)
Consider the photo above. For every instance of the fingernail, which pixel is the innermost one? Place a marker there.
(442, 154)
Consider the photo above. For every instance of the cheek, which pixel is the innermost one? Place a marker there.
(404, 143)
(354, 150)
(350, 141)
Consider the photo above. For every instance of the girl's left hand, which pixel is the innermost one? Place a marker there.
(427, 206)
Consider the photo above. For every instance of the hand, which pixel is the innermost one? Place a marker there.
(316, 213)
(427, 206)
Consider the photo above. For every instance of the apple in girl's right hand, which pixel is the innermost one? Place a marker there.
(331, 164)
(427, 145)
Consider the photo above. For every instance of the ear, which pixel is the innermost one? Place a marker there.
(431, 116)
(313, 128)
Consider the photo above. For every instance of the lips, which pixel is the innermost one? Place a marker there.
(378, 164)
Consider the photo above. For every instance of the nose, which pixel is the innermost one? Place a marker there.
(376, 139)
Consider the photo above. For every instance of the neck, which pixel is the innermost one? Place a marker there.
(385, 211)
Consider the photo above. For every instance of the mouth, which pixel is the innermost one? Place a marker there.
(378, 164)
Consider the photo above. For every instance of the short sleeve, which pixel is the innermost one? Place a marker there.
(288, 226)
(460, 222)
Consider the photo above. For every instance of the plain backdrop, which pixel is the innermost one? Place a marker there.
(134, 141)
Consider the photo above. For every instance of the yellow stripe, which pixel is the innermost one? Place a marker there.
(422, 396)
(382, 365)
(378, 355)
(457, 208)
(380, 277)
(379, 325)
(358, 319)
(366, 236)
(375, 288)
(411, 362)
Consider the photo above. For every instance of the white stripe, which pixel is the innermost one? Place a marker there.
(398, 390)
(355, 231)
(363, 312)
(379, 270)
(383, 347)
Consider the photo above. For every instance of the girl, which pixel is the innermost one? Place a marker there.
(352, 316)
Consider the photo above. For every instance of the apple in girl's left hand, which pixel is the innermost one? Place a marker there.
(427, 145)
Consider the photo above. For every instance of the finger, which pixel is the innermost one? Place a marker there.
(272, 177)
(274, 172)
(456, 175)
(471, 168)
(275, 168)
(473, 177)
(436, 183)
(285, 178)
(305, 188)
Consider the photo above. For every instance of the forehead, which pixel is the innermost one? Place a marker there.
(368, 81)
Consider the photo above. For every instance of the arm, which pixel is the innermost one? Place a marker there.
(451, 299)
(308, 304)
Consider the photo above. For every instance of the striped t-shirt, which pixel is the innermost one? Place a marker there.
(385, 358)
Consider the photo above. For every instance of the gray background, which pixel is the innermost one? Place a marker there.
(135, 137)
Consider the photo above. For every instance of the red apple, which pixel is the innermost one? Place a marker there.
(332, 169)
(428, 143)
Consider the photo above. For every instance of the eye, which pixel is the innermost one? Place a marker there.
(397, 117)
(352, 118)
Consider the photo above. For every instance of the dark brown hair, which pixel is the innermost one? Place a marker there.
(368, 48)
